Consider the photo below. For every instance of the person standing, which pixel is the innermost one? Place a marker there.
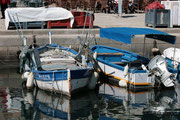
(4, 5)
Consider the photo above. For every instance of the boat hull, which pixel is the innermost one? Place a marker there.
(133, 80)
(112, 62)
(55, 68)
(63, 81)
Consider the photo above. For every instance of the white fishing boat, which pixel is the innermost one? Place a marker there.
(58, 69)
(55, 68)
(127, 69)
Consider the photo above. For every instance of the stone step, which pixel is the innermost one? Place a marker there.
(10, 44)
(45, 31)
(63, 39)
(69, 31)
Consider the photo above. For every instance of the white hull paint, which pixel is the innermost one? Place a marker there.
(79, 83)
(131, 78)
(63, 86)
(173, 54)
(30, 81)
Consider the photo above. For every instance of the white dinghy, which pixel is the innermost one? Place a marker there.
(172, 56)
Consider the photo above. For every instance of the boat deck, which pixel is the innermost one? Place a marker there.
(121, 60)
(59, 65)
(58, 60)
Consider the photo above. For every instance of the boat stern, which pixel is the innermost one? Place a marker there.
(140, 80)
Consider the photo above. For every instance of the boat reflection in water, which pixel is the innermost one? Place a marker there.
(111, 102)
(47, 105)
(118, 103)
(164, 105)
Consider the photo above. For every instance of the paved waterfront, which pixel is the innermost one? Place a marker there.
(2, 24)
(113, 20)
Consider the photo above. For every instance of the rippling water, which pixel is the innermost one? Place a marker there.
(108, 103)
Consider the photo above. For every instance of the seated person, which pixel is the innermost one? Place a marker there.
(131, 7)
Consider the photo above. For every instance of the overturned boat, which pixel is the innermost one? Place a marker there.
(127, 69)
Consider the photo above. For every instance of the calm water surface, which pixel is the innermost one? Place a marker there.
(108, 103)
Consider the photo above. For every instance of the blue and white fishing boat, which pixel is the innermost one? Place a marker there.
(131, 70)
(55, 68)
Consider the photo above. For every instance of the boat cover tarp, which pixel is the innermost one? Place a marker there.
(31, 14)
(124, 34)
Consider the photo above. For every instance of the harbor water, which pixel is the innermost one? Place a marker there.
(105, 103)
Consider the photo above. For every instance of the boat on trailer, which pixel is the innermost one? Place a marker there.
(127, 69)
(55, 68)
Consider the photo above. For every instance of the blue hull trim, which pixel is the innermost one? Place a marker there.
(47, 76)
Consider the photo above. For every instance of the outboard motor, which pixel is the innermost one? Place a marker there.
(158, 67)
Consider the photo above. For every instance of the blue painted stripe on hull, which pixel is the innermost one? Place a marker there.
(61, 75)
(50, 75)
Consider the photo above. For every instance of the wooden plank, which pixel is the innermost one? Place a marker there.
(110, 54)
